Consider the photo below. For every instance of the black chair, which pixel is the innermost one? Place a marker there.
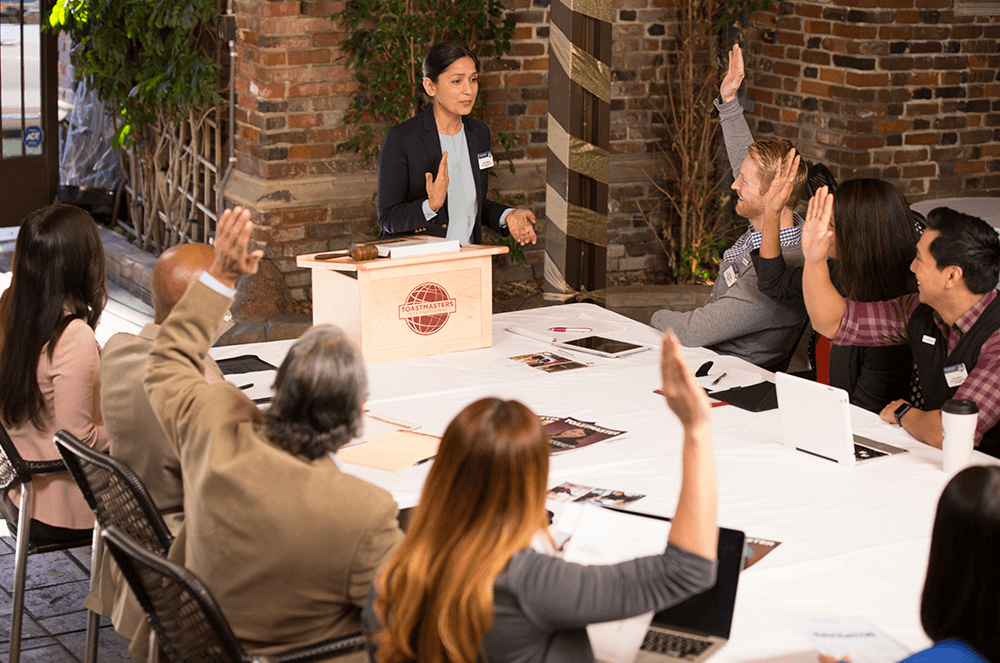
(820, 176)
(14, 472)
(115, 494)
(189, 626)
(781, 363)
(117, 497)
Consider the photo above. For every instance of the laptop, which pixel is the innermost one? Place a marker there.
(694, 629)
(816, 419)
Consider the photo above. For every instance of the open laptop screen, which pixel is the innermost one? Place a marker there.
(711, 612)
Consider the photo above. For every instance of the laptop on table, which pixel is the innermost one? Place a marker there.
(694, 629)
(816, 419)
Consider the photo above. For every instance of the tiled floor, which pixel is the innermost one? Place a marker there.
(55, 622)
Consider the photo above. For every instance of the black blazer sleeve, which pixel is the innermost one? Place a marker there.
(402, 188)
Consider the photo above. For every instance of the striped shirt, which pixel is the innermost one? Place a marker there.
(884, 323)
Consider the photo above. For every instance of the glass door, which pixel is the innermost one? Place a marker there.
(29, 154)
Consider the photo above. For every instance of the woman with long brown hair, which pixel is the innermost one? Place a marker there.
(467, 583)
(49, 358)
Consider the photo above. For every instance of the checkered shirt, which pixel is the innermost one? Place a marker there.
(750, 240)
(884, 323)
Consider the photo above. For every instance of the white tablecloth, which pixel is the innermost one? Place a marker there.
(854, 541)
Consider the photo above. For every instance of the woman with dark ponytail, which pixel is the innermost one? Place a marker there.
(433, 170)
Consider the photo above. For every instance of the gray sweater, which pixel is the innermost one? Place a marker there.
(738, 319)
(542, 604)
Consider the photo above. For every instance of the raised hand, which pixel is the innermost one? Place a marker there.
(816, 231)
(232, 239)
(521, 222)
(687, 400)
(437, 187)
(782, 184)
(734, 75)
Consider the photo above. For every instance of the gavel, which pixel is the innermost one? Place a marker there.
(359, 253)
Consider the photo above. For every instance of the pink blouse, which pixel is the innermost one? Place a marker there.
(70, 386)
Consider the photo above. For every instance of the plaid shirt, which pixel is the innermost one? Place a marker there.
(750, 240)
(884, 323)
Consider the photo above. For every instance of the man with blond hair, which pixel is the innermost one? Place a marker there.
(738, 319)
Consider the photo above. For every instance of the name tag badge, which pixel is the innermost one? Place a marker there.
(731, 276)
(930, 340)
(955, 375)
(485, 160)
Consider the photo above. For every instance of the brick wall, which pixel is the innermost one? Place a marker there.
(902, 90)
(292, 94)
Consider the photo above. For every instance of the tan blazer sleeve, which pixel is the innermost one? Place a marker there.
(176, 377)
(374, 550)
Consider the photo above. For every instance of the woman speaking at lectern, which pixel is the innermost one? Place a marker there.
(433, 170)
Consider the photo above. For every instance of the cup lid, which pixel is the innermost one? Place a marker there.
(959, 406)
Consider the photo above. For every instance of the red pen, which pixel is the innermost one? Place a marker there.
(570, 329)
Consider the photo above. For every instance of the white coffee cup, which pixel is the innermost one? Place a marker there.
(958, 431)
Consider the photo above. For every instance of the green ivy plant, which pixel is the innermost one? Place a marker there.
(153, 65)
(142, 58)
(385, 46)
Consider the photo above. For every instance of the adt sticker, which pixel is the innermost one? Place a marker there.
(33, 137)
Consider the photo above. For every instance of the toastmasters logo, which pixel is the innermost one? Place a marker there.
(427, 309)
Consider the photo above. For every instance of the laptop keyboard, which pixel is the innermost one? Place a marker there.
(678, 646)
(864, 453)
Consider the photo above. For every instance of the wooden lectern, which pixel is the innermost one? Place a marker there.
(407, 307)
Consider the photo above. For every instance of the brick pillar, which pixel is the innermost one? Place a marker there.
(291, 97)
(903, 90)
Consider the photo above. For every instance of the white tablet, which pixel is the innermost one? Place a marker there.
(606, 347)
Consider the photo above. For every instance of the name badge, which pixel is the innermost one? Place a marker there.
(930, 340)
(485, 160)
(731, 276)
(955, 375)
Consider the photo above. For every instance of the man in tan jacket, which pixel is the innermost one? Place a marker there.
(286, 542)
(134, 433)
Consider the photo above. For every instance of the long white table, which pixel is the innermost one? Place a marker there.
(854, 541)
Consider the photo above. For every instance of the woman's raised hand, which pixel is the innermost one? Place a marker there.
(816, 231)
(687, 400)
(437, 187)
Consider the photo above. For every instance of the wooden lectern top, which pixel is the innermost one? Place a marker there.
(344, 263)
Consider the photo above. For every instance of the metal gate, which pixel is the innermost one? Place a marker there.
(29, 155)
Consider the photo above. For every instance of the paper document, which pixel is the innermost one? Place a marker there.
(848, 636)
(405, 247)
(376, 425)
(392, 452)
(601, 536)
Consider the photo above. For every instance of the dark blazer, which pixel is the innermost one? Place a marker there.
(410, 150)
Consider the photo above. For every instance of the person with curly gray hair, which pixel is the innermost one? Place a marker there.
(320, 391)
(286, 542)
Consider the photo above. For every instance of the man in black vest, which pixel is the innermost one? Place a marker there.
(952, 324)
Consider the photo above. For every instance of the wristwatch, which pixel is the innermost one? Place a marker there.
(900, 411)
